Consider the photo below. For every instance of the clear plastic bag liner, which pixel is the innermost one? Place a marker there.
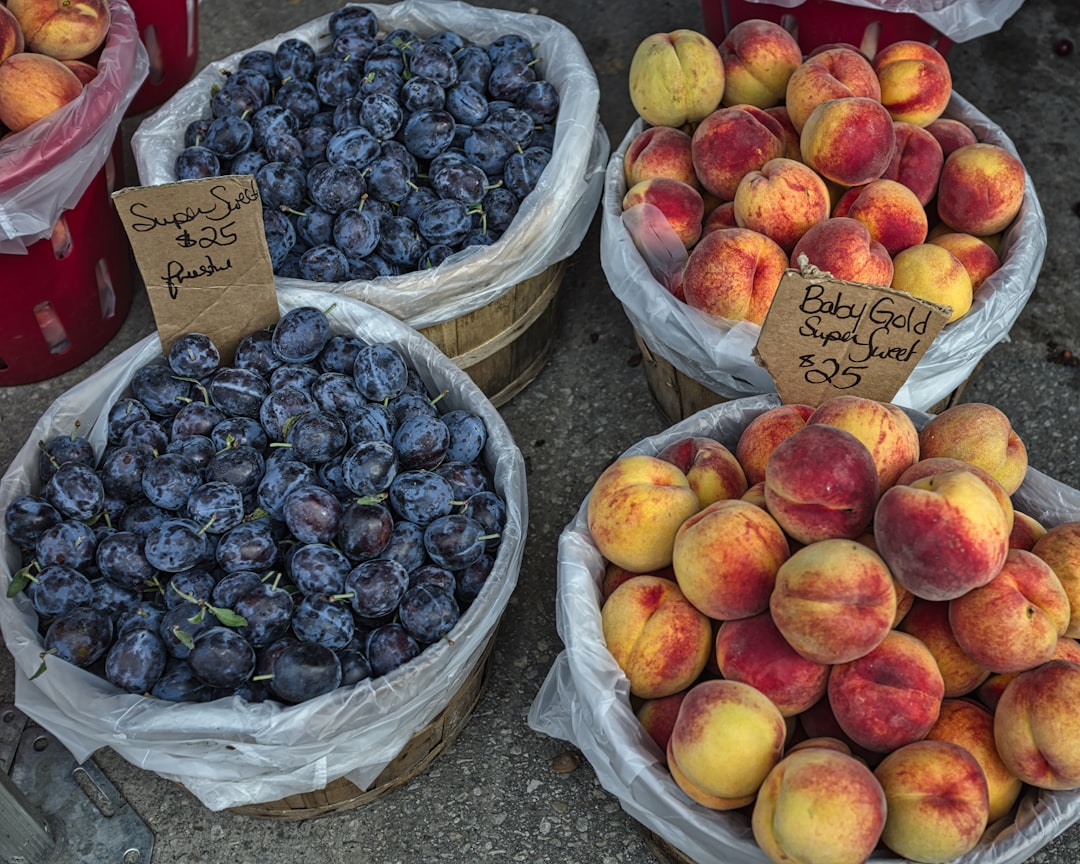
(229, 752)
(960, 20)
(717, 352)
(46, 168)
(585, 697)
(552, 220)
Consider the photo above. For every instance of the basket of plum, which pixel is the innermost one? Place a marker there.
(428, 158)
(205, 558)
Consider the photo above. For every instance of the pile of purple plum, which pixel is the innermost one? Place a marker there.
(299, 521)
(379, 155)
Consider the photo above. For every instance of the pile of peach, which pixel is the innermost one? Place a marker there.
(756, 157)
(46, 51)
(843, 627)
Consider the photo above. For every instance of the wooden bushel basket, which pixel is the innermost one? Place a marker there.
(504, 345)
(664, 851)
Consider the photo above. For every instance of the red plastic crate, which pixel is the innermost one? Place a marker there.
(170, 31)
(66, 298)
(821, 22)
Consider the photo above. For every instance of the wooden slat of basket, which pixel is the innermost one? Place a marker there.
(504, 345)
(664, 851)
(676, 395)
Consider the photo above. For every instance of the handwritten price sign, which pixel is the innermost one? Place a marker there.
(824, 337)
(202, 253)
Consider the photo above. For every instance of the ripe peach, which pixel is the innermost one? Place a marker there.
(726, 557)
(84, 71)
(891, 212)
(726, 739)
(11, 35)
(762, 434)
(1037, 726)
(904, 599)
(733, 273)
(659, 151)
(971, 725)
(699, 795)
(886, 431)
(675, 78)
(756, 495)
(981, 434)
(928, 621)
(635, 507)
(937, 801)
(845, 199)
(821, 482)
(64, 31)
(614, 576)
(713, 471)
(658, 639)
(791, 134)
(937, 464)
(721, 216)
(1013, 622)
(1067, 649)
(32, 86)
(781, 200)
(759, 57)
(941, 535)
(729, 142)
(819, 805)
(940, 228)
(849, 141)
(989, 692)
(831, 74)
(981, 189)
(680, 203)
(754, 651)
(819, 722)
(657, 716)
(934, 274)
(834, 601)
(828, 46)
(1026, 532)
(915, 81)
(977, 256)
(951, 134)
(1060, 548)
(845, 248)
(890, 696)
(916, 161)
(826, 743)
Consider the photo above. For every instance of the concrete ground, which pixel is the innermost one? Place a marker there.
(495, 794)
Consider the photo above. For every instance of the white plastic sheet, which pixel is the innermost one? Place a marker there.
(960, 20)
(585, 697)
(552, 221)
(229, 752)
(717, 353)
(46, 168)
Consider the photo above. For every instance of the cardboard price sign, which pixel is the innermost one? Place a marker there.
(824, 337)
(202, 253)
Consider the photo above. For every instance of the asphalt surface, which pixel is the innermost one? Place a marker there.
(495, 795)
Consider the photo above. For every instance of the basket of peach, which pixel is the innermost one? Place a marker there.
(68, 72)
(838, 633)
(748, 159)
